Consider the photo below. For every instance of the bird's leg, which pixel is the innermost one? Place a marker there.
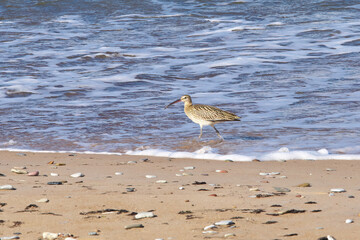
(218, 133)
(200, 131)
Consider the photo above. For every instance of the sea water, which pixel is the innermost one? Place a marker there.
(96, 75)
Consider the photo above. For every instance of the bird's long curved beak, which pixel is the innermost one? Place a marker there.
(179, 100)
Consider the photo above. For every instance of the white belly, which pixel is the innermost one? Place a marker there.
(200, 121)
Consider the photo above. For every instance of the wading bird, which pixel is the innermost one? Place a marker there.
(205, 115)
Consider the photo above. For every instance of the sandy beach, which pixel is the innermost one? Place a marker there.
(181, 197)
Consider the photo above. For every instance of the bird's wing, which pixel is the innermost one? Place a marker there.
(214, 114)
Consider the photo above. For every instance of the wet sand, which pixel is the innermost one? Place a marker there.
(101, 202)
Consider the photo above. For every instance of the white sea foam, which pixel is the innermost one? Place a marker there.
(9, 143)
(282, 154)
(74, 20)
(206, 153)
(275, 24)
(322, 154)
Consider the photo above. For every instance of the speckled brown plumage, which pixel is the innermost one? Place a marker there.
(210, 113)
(205, 114)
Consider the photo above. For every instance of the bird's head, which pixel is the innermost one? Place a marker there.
(185, 99)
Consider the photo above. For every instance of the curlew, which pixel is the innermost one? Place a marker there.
(205, 115)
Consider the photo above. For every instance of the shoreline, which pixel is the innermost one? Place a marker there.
(205, 153)
(263, 206)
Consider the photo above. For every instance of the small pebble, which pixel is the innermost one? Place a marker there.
(49, 235)
(210, 227)
(54, 183)
(330, 170)
(132, 162)
(138, 225)
(181, 188)
(93, 234)
(291, 235)
(8, 238)
(224, 223)
(77, 175)
(229, 235)
(161, 181)
(254, 189)
(144, 160)
(54, 174)
(269, 174)
(270, 222)
(262, 195)
(144, 215)
(43, 200)
(150, 176)
(349, 221)
(7, 187)
(119, 173)
(187, 174)
(19, 171)
(282, 189)
(304, 185)
(189, 168)
(221, 171)
(130, 189)
(35, 173)
(337, 190)
(328, 237)
(209, 232)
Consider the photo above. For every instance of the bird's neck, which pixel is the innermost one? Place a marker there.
(188, 104)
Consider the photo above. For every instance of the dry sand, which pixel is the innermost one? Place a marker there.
(180, 214)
